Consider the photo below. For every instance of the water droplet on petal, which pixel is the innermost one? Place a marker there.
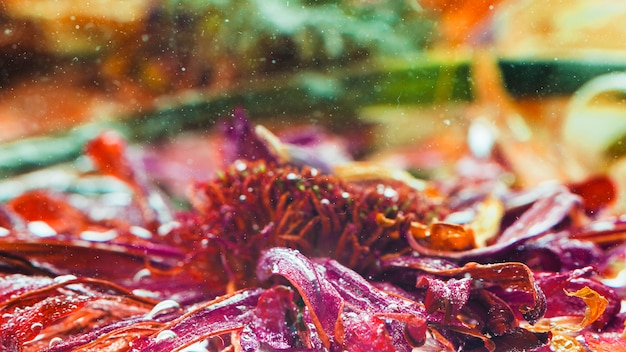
(240, 166)
(64, 278)
(140, 232)
(167, 227)
(165, 335)
(36, 327)
(54, 341)
(162, 307)
(97, 236)
(41, 229)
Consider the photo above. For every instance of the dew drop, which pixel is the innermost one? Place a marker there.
(97, 236)
(162, 307)
(41, 229)
(36, 327)
(145, 293)
(140, 232)
(240, 166)
(64, 278)
(54, 341)
(167, 227)
(390, 192)
(145, 272)
(166, 335)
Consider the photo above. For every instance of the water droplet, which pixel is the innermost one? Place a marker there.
(165, 335)
(167, 227)
(41, 229)
(145, 293)
(242, 197)
(54, 341)
(4, 232)
(140, 232)
(325, 201)
(292, 176)
(145, 272)
(390, 192)
(240, 166)
(36, 327)
(204, 242)
(64, 278)
(97, 236)
(162, 307)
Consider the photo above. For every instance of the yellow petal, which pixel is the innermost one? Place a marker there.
(596, 304)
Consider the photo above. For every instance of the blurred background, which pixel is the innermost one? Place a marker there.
(407, 83)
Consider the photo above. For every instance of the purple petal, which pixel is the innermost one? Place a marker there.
(217, 317)
(241, 140)
(319, 295)
(273, 322)
(446, 296)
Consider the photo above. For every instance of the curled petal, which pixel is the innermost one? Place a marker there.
(596, 304)
(273, 323)
(509, 276)
(447, 296)
(543, 215)
(322, 298)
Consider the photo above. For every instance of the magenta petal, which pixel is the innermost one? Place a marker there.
(215, 318)
(241, 140)
(273, 322)
(543, 215)
(317, 293)
(447, 296)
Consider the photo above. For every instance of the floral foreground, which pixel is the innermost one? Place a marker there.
(282, 251)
